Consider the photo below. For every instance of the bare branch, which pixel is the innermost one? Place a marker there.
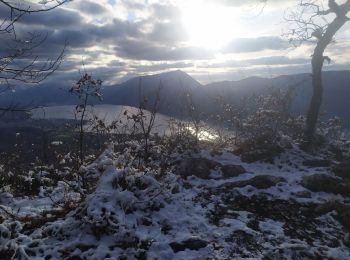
(29, 9)
(20, 62)
(309, 22)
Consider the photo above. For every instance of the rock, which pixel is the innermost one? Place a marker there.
(199, 167)
(326, 183)
(175, 189)
(317, 163)
(342, 170)
(344, 217)
(346, 240)
(229, 171)
(343, 212)
(187, 185)
(191, 243)
(215, 153)
(259, 182)
(262, 181)
(146, 221)
(266, 153)
(302, 194)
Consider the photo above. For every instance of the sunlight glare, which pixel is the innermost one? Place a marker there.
(210, 26)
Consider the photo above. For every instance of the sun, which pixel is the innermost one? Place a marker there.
(209, 25)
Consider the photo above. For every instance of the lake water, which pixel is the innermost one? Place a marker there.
(110, 113)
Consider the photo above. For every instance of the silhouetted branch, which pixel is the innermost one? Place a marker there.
(12, 5)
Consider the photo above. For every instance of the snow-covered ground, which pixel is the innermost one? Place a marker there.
(146, 213)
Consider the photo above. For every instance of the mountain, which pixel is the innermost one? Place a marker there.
(171, 87)
(335, 99)
(175, 84)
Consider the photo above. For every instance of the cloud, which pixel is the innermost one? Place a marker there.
(92, 8)
(277, 60)
(270, 61)
(143, 50)
(170, 33)
(162, 66)
(254, 3)
(57, 18)
(255, 44)
(166, 11)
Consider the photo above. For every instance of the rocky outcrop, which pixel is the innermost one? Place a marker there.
(317, 163)
(201, 168)
(342, 170)
(326, 183)
(229, 171)
(191, 243)
(259, 182)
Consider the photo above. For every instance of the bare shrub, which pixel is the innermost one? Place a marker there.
(269, 127)
(85, 88)
(144, 119)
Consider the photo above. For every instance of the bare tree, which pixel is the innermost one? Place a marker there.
(145, 117)
(85, 88)
(194, 115)
(311, 21)
(19, 58)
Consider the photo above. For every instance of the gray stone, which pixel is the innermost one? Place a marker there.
(191, 243)
(346, 240)
(342, 170)
(199, 167)
(326, 183)
(317, 163)
(302, 194)
(229, 171)
(259, 182)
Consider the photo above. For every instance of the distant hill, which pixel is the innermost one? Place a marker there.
(173, 85)
(176, 83)
(335, 99)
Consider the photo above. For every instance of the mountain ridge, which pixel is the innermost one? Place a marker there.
(176, 84)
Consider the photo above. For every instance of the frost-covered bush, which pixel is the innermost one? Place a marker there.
(110, 218)
(267, 126)
(180, 135)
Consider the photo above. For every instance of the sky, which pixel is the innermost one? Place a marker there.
(212, 40)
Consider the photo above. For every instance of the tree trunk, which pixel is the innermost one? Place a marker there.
(316, 100)
(317, 64)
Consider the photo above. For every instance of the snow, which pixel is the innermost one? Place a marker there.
(135, 212)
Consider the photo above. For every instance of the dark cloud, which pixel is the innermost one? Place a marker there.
(143, 50)
(57, 18)
(80, 37)
(74, 38)
(255, 44)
